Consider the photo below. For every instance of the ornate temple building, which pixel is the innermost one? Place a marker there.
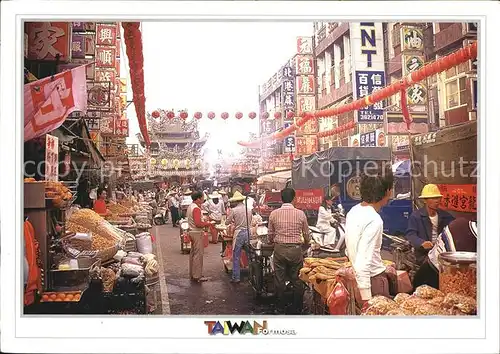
(176, 147)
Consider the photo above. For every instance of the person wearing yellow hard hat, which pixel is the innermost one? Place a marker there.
(426, 223)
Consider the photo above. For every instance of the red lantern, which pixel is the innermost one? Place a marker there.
(239, 115)
(170, 115)
(224, 115)
(198, 115)
(290, 115)
(265, 115)
(183, 115)
(252, 115)
(155, 114)
(277, 115)
(211, 115)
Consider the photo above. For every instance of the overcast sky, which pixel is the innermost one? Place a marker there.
(204, 66)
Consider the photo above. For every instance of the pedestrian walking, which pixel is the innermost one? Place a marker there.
(288, 231)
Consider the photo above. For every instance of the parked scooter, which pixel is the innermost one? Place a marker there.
(161, 215)
(184, 236)
(319, 248)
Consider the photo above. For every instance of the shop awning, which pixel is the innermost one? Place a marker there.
(280, 177)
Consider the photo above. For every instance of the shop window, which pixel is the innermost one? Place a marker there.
(456, 92)
(341, 46)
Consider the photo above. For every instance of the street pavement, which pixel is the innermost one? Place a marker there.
(218, 296)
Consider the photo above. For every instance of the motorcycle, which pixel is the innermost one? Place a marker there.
(184, 236)
(318, 247)
(161, 215)
(404, 255)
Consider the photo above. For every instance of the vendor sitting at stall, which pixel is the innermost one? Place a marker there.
(215, 209)
(425, 224)
(459, 236)
(100, 203)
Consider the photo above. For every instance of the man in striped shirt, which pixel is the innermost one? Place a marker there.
(288, 231)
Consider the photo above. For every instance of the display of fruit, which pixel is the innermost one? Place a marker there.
(67, 296)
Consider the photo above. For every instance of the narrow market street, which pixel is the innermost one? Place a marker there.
(217, 296)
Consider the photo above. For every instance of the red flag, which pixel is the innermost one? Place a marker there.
(47, 102)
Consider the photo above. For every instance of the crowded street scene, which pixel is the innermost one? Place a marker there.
(325, 168)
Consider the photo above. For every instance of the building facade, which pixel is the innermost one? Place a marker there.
(347, 54)
(176, 147)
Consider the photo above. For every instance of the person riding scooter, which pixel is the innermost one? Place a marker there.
(216, 210)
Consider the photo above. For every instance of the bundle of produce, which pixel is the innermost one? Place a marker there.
(152, 265)
(379, 305)
(108, 279)
(120, 221)
(96, 224)
(460, 303)
(120, 210)
(58, 192)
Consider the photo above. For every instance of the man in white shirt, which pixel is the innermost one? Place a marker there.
(364, 228)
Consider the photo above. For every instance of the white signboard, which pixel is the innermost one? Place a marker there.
(51, 158)
(367, 50)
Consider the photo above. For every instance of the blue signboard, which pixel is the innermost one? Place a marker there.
(368, 139)
(290, 144)
(366, 83)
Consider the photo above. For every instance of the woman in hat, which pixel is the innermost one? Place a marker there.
(426, 223)
(215, 209)
(459, 236)
(241, 217)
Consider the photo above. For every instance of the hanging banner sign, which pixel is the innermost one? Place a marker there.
(367, 50)
(51, 158)
(459, 197)
(105, 57)
(77, 46)
(106, 34)
(304, 65)
(366, 83)
(47, 40)
(308, 199)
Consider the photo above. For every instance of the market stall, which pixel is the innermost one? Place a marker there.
(333, 283)
(87, 263)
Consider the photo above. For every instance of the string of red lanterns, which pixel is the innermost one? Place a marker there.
(225, 115)
(440, 65)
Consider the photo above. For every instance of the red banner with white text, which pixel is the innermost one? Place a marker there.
(48, 102)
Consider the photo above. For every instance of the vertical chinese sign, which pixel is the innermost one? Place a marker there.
(49, 41)
(306, 141)
(367, 49)
(51, 158)
(413, 59)
(105, 75)
(288, 104)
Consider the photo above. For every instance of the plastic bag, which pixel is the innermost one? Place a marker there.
(131, 260)
(427, 292)
(119, 255)
(144, 243)
(135, 255)
(338, 300)
(131, 270)
(379, 305)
